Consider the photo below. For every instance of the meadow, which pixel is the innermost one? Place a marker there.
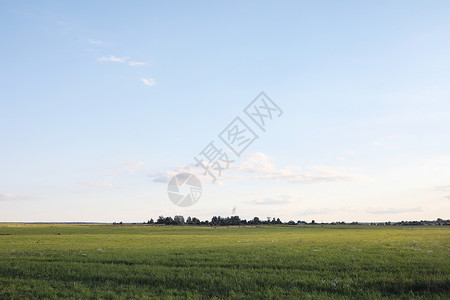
(188, 262)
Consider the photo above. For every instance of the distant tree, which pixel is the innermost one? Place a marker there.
(169, 221)
(313, 222)
(161, 220)
(256, 221)
(279, 221)
(179, 220)
(235, 220)
(189, 221)
(291, 222)
(215, 221)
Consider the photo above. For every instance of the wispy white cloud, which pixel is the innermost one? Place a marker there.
(133, 63)
(442, 188)
(115, 173)
(148, 81)
(394, 136)
(103, 185)
(125, 168)
(132, 167)
(95, 42)
(377, 143)
(11, 197)
(261, 166)
(280, 200)
(164, 176)
(112, 58)
(317, 211)
(350, 152)
(378, 211)
(108, 174)
(5, 197)
(345, 154)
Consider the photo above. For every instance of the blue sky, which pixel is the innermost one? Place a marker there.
(102, 102)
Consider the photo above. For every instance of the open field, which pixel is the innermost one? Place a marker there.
(102, 261)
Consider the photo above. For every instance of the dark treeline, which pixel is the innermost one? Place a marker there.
(215, 221)
(236, 221)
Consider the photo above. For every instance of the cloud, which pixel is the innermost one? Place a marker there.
(133, 63)
(394, 137)
(126, 168)
(97, 43)
(148, 81)
(318, 211)
(118, 171)
(108, 174)
(260, 166)
(442, 188)
(11, 197)
(378, 211)
(350, 152)
(5, 197)
(112, 58)
(258, 163)
(272, 200)
(132, 167)
(161, 178)
(103, 185)
(164, 176)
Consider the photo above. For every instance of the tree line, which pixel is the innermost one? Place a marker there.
(220, 221)
(237, 221)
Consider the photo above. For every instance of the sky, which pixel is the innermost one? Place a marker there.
(103, 102)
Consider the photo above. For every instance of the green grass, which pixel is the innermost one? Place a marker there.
(275, 262)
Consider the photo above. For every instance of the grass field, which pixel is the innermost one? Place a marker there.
(275, 262)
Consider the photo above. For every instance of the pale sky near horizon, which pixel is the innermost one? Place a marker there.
(102, 102)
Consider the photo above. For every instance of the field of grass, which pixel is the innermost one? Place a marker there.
(275, 262)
